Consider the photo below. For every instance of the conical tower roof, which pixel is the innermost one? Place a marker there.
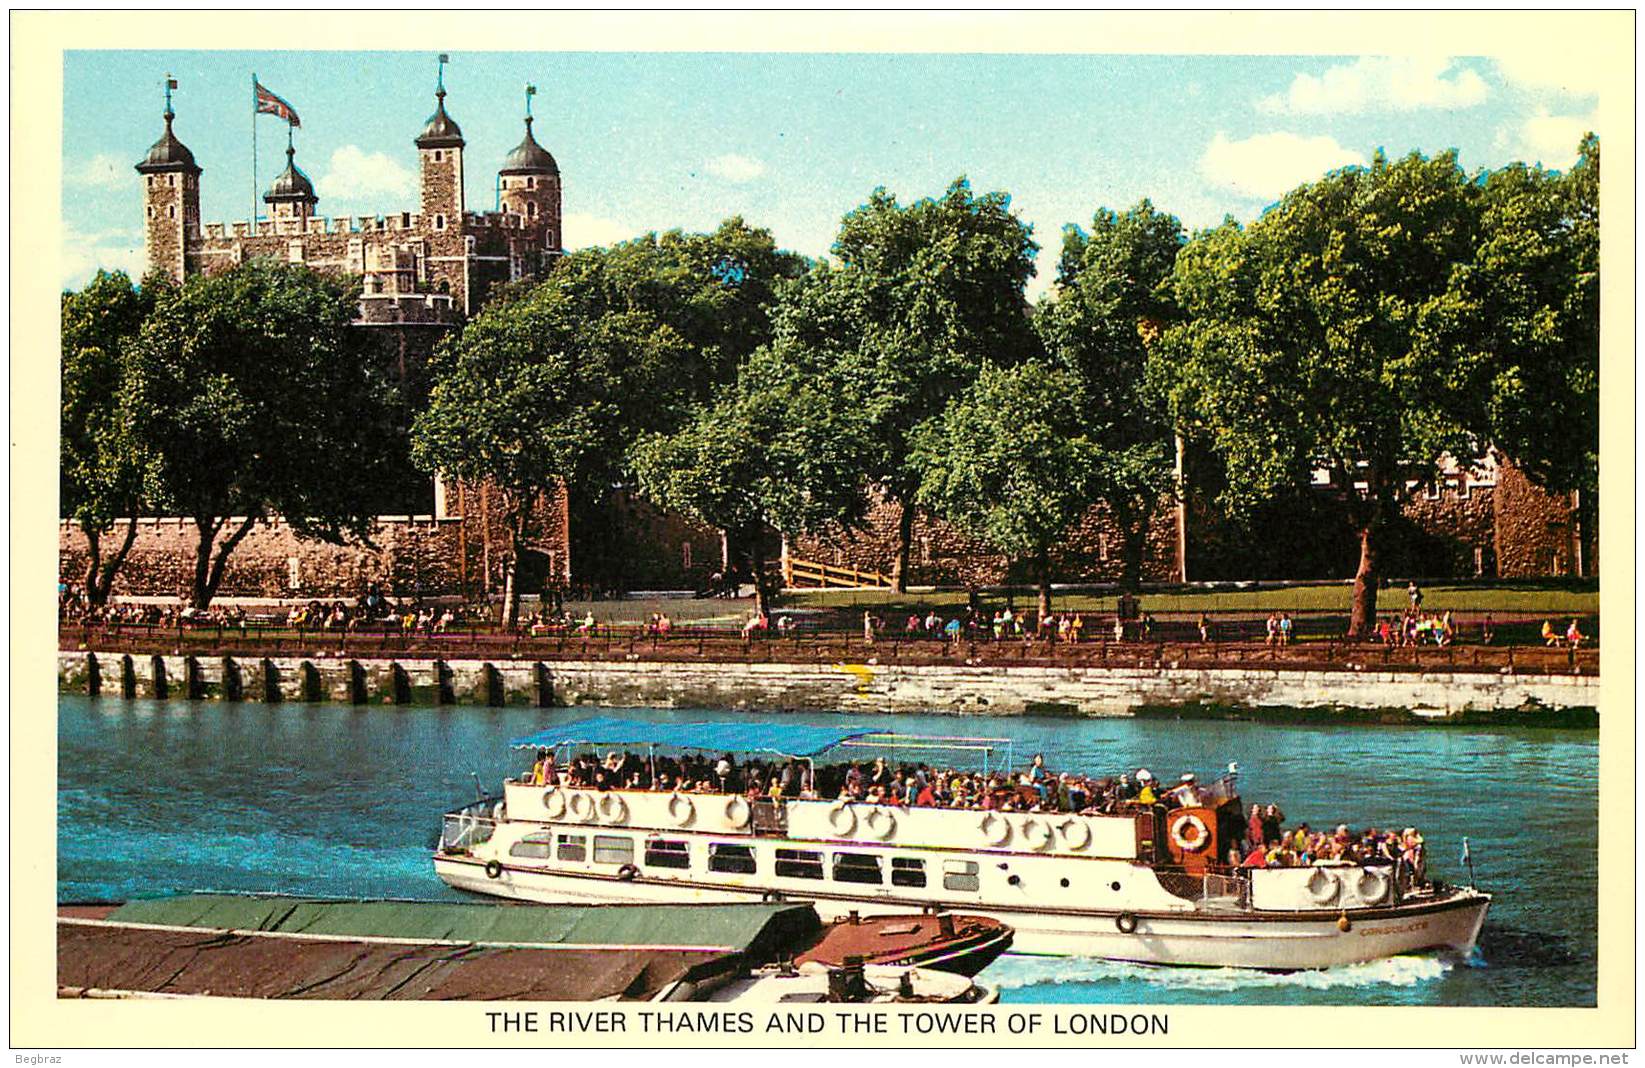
(441, 131)
(529, 157)
(168, 153)
(292, 183)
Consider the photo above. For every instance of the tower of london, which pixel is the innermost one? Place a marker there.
(431, 263)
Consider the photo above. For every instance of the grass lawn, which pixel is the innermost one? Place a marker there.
(1507, 597)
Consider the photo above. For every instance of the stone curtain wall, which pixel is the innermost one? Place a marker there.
(942, 555)
(1535, 530)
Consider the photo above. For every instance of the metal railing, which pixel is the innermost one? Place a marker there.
(468, 826)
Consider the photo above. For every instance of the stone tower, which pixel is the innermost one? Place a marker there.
(530, 188)
(292, 194)
(440, 148)
(171, 200)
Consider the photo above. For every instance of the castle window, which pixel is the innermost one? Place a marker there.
(439, 222)
(685, 555)
(531, 183)
(1431, 490)
(171, 212)
(1102, 547)
(405, 220)
(1479, 561)
(171, 180)
(151, 211)
(439, 156)
(531, 209)
(1463, 485)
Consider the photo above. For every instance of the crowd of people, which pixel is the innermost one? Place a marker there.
(1264, 841)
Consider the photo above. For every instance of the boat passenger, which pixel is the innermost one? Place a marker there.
(1145, 793)
(1574, 636)
(1272, 821)
(1550, 636)
(1187, 795)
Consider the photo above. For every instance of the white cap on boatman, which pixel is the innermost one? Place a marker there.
(1143, 775)
(1187, 776)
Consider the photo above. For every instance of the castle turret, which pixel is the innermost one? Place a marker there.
(440, 147)
(292, 194)
(171, 198)
(529, 184)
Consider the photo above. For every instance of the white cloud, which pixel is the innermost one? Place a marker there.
(1565, 71)
(1386, 83)
(354, 174)
(1269, 165)
(735, 168)
(110, 250)
(587, 231)
(1548, 139)
(102, 171)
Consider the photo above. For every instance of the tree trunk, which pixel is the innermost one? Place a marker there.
(756, 557)
(94, 561)
(1133, 524)
(905, 535)
(1381, 501)
(1363, 618)
(99, 576)
(511, 579)
(208, 567)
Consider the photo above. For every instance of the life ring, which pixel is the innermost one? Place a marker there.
(613, 809)
(494, 869)
(881, 824)
(1036, 833)
(1126, 922)
(681, 810)
(995, 828)
(842, 819)
(738, 811)
(554, 802)
(1180, 828)
(628, 873)
(1371, 886)
(581, 807)
(1075, 832)
(1322, 886)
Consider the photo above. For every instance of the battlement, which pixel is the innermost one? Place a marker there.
(406, 309)
(405, 222)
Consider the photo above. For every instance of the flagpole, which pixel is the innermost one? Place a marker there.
(253, 153)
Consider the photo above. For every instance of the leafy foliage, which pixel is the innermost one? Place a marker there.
(922, 295)
(253, 396)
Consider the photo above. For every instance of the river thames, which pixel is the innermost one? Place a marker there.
(165, 797)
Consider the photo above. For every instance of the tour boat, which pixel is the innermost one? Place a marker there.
(1140, 883)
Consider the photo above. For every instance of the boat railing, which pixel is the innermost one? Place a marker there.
(467, 827)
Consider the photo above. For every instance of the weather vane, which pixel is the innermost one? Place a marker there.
(171, 83)
(530, 91)
(444, 59)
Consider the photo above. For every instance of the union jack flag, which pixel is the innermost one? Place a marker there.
(269, 104)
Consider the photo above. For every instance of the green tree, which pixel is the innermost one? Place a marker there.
(776, 450)
(1321, 337)
(1530, 299)
(920, 297)
(1011, 461)
(102, 472)
(715, 291)
(1113, 299)
(543, 390)
(253, 397)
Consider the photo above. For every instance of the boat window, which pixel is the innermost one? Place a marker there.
(610, 849)
(857, 868)
(799, 864)
(660, 853)
(907, 871)
(532, 846)
(959, 875)
(572, 847)
(732, 858)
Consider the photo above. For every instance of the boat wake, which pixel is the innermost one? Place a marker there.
(1013, 972)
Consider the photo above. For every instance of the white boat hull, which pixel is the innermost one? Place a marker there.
(1272, 941)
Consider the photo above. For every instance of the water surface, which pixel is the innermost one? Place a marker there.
(162, 797)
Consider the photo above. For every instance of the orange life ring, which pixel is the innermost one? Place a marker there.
(1194, 842)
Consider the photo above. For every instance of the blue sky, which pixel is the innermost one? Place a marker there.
(793, 141)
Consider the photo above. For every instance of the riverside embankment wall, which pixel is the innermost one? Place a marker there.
(849, 687)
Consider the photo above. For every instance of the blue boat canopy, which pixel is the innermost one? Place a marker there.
(795, 740)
